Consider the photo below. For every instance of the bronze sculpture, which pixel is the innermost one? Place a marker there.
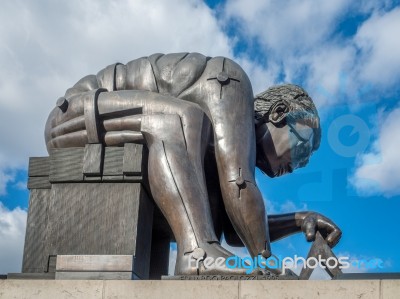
(205, 137)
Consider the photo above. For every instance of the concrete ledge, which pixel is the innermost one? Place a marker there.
(48, 289)
(99, 289)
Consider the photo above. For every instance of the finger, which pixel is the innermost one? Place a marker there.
(326, 225)
(121, 137)
(309, 228)
(75, 139)
(334, 237)
(131, 123)
(72, 125)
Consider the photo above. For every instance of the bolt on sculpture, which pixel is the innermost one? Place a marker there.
(205, 133)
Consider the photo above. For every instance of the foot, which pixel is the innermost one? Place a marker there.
(210, 259)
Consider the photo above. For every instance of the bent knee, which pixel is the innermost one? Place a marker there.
(162, 127)
(191, 111)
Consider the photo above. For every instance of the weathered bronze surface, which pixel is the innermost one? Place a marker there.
(205, 133)
(74, 211)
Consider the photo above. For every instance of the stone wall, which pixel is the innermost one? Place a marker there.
(97, 289)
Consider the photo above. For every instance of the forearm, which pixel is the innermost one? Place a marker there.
(283, 225)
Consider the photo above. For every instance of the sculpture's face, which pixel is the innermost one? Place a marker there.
(283, 149)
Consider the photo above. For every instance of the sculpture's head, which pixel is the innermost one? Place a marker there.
(287, 129)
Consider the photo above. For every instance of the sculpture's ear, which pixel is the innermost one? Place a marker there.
(278, 112)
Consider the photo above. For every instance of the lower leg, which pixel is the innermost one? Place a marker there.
(175, 183)
(176, 188)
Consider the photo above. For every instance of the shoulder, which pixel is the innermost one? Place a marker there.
(176, 72)
(228, 66)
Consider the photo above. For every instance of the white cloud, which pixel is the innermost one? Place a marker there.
(298, 42)
(369, 6)
(21, 185)
(261, 76)
(377, 38)
(287, 26)
(328, 68)
(5, 177)
(302, 45)
(12, 236)
(378, 170)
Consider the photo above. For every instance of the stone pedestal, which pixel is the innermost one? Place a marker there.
(89, 201)
(106, 289)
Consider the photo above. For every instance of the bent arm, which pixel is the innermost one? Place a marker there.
(225, 94)
(112, 118)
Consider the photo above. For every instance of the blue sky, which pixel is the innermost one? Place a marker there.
(344, 53)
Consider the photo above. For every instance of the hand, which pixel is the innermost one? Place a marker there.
(311, 222)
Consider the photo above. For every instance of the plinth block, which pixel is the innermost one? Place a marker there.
(89, 201)
(75, 263)
(107, 289)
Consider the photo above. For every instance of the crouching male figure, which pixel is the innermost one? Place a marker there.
(205, 135)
